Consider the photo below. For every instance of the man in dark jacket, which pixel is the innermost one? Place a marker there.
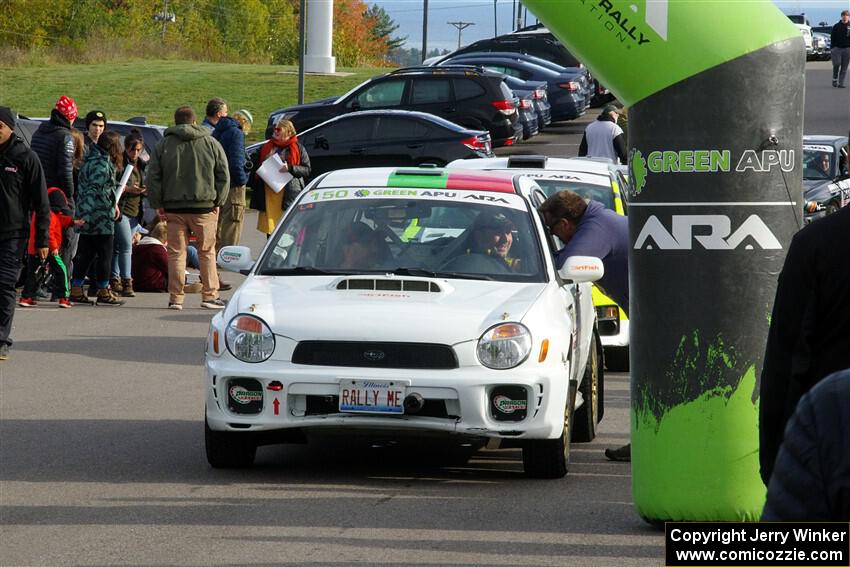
(187, 182)
(229, 134)
(54, 147)
(840, 52)
(587, 228)
(22, 192)
(809, 335)
(811, 479)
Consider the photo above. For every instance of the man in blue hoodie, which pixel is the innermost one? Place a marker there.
(229, 134)
(587, 228)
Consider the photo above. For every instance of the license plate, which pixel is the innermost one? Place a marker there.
(371, 396)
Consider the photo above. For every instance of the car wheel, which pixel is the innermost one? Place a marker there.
(617, 359)
(226, 450)
(550, 458)
(586, 416)
(831, 207)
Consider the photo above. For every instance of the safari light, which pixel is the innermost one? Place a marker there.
(249, 339)
(504, 346)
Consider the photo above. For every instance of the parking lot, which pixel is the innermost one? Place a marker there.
(101, 437)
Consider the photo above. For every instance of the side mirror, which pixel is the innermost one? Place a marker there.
(355, 105)
(235, 259)
(581, 269)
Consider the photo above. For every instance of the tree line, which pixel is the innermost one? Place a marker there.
(246, 31)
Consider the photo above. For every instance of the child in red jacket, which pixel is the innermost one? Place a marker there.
(60, 219)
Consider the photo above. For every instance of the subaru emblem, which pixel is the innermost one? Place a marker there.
(374, 355)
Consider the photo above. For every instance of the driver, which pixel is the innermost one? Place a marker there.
(492, 235)
(364, 248)
(824, 163)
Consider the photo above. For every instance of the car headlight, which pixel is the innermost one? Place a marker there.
(504, 346)
(249, 339)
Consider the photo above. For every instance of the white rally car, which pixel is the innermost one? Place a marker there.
(407, 302)
(592, 178)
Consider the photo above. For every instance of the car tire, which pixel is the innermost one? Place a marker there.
(831, 207)
(617, 359)
(587, 416)
(226, 450)
(550, 458)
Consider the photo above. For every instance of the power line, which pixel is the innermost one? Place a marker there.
(460, 27)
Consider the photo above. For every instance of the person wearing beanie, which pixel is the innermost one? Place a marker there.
(604, 138)
(23, 194)
(245, 120)
(54, 146)
(95, 125)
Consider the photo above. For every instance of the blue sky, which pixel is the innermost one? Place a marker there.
(408, 14)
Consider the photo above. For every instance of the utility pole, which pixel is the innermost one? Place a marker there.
(495, 20)
(460, 27)
(302, 35)
(518, 23)
(425, 30)
(165, 16)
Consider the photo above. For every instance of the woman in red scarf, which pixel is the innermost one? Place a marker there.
(271, 205)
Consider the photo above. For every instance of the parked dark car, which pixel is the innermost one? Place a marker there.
(527, 114)
(826, 179)
(539, 97)
(374, 138)
(151, 133)
(538, 41)
(583, 75)
(479, 100)
(566, 90)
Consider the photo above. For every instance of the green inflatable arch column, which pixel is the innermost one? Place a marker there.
(715, 97)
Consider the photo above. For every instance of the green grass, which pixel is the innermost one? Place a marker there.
(156, 88)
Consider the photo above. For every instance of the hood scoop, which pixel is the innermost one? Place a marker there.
(382, 284)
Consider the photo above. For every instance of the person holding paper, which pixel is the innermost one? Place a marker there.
(96, 205)
(129, 203)
(273, 199)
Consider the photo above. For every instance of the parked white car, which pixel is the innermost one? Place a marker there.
(415, 302)
(592, 178)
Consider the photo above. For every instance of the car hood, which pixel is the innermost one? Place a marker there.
(817, 190)
(312, 308)
(314, 104)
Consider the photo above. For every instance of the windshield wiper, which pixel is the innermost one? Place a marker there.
(419, 272)
(298, 271)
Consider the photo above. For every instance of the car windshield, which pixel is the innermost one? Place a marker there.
(600, 193)
(417, 232)
(817, 162)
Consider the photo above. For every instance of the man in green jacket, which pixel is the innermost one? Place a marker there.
(188, 180)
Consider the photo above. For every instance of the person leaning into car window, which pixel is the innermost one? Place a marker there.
(492, 235)
(588, 228)
(271, 205)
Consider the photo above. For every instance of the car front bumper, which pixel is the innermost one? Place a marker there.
(458, 401)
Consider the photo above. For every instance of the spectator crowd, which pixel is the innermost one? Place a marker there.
(85, 220)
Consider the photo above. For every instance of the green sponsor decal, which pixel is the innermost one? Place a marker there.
(507, 405)
(638, 167)
(695, 444)
(424, 181)
(242, 395)
(639, 47)
(704, 161)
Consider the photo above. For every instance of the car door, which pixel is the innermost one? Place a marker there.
(340, 143)
(434, 96)
(400, 141)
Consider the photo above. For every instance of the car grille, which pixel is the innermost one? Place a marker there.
(375, 355)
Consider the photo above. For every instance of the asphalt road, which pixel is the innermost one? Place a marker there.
(102, 460)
